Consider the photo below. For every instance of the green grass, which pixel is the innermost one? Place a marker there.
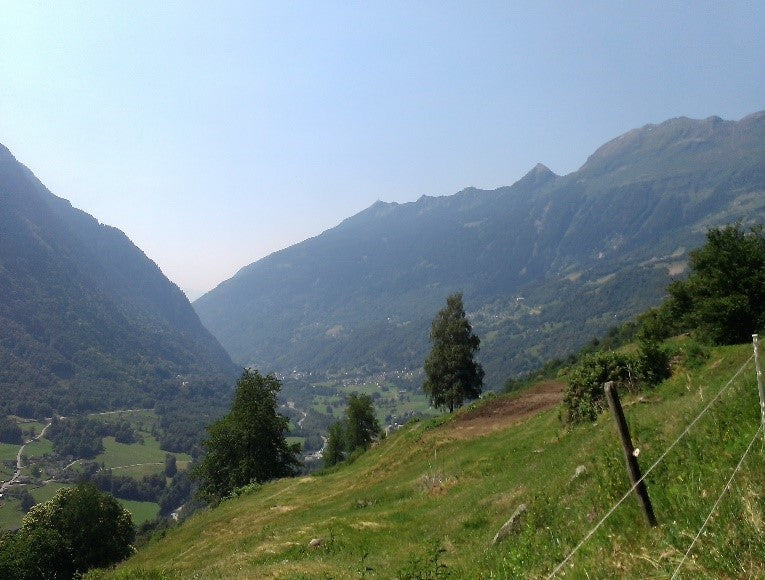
(142, 511)
(391, 401)
(292, 440)
(119, 454)
(142, 420)
(47, 491)
(8, 451)
(139, 471)
(6, 472)
(433, 486)
(27, 427)
(10, 513)
(38, 448)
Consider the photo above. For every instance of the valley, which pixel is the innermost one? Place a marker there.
(110, 376)
(36, 470)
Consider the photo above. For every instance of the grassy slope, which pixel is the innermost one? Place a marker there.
(440, 485)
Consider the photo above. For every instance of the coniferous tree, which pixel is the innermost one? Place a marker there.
(452, 375)
(248, 445)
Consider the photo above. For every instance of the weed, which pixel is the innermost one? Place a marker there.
(426, 567)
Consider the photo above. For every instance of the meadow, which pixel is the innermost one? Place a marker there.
(427, 501)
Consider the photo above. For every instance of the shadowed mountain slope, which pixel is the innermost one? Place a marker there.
(87, 321)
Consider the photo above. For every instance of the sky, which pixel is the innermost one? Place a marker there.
(215, 133)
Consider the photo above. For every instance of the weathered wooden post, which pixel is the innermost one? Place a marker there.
(629, 453)
(760, 381)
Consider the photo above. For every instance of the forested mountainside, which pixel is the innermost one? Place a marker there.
(545, 264)
(87, 321)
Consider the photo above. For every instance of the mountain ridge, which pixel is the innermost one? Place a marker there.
(88, 320)
(378, 277)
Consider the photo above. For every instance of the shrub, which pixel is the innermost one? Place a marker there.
(584, 397)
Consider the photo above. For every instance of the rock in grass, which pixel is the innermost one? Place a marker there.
(315, 543)
(512, 525)
(580, 471)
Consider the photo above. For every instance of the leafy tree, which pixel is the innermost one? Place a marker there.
(335, 451)
(362, 425)
(451, 373)
(247, 445)
(78, 529)
(34, 554)
(77, 437)
(723, 299)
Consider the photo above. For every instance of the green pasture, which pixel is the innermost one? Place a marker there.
(142, 511)
(38, 448)
(120, 454)
(10, 513)
(8, 451)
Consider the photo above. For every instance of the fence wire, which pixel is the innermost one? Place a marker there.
(649, 470)
(714, 507)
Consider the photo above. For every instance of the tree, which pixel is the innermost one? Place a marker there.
(27, 500)
(451, 373)
(723, 298)
(334, 452)
(78, 529)
(247, 445)
(362, 425)
(10, 432)
(171, 467)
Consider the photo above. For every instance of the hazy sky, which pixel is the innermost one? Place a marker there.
(214, 133)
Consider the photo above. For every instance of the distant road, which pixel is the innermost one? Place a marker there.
(17, 474)
(7, 485)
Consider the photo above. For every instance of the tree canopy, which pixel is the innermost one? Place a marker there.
(355, 432)
(248, 445)
(723, 298)
(452, 374)
(78, 529)
(362, 423)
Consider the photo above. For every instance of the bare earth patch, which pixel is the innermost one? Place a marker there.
(504, 412)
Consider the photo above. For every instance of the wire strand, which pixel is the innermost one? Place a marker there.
(714, 507)
(649, 470)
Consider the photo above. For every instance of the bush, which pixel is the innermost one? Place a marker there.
(585, 398)
(652, 363)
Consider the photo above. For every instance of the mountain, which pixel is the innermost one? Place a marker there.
(87, 321)
(544, 264)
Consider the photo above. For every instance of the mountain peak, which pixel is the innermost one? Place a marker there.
(541, 169)
(538, 175)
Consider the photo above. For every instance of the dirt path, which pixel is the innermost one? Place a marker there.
(504, 412)
(19, 462)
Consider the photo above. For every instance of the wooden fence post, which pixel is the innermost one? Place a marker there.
(760, 382)
(629, 453)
